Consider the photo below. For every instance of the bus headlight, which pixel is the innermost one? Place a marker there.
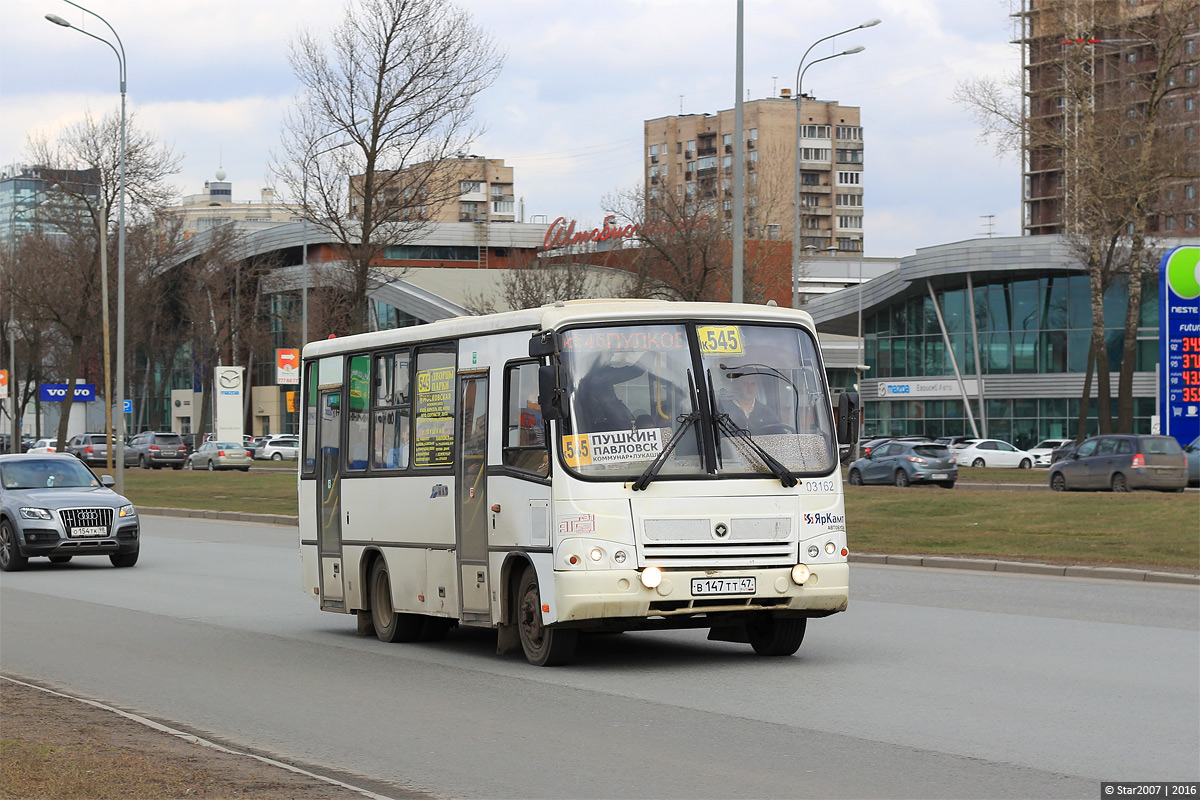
(619, 556)
(830, 548)
(651, 577)
(596, 554)
(813, 551)
(800, 573)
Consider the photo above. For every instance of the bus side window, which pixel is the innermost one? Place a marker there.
(524, 432)
(310, 419)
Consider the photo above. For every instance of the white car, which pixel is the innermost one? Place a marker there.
(279, 449)
(992, 453)
(44, 446)
(1043, 451)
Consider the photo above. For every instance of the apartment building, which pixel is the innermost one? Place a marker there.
(692, 156)
(1083, 61)
(466, 188)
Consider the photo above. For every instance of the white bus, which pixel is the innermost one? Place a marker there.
(589, 466)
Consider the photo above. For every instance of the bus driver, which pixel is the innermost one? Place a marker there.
(747, 411)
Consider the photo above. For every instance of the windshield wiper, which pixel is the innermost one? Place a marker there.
(731, 429)
(685, 421)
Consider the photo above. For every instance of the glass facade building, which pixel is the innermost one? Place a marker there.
(1015, 319)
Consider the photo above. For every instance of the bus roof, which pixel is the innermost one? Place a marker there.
(555, 316)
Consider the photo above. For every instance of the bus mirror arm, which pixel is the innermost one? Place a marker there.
(551, 397)
(849, 408)
(543, 343)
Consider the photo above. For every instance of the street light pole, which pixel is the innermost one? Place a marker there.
(119, 50)
(800, 70)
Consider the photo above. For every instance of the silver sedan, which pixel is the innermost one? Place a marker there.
(53, 506)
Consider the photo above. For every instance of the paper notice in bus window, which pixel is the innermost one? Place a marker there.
(434, 442)
(611, 447)
(720, 340)
(435, 392)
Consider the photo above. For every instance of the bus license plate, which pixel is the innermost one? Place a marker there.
(96, 530)
(708, 587)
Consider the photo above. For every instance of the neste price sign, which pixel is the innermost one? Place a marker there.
(1179, 343)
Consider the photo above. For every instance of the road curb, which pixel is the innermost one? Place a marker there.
(936, 562)
(1027, 568)
(289, 520)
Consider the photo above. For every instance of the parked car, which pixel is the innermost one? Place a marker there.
(219, 455)
(866, 447)
(280, 449)
(953, 442)
(90, 448)
(993, 453)
(53, 506)
(1069, 447)
(1122, 462)
(44, 446)
(1193, 462)
(155, 450)
(1043, 451)
(906, 463)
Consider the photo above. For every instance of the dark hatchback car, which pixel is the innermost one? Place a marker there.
(905, 463)
(1122, 462)
(156, 450)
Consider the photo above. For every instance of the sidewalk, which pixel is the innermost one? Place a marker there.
(943, 562)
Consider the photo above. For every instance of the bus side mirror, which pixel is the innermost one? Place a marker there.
(543, 343)
(550, 396)
(847, 417)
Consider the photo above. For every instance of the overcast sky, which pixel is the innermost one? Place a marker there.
(211, 79)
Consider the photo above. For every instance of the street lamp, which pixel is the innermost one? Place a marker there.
(119, 50)
(800, 70)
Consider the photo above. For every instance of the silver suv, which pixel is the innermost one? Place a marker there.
(156, 450)
(90, 448)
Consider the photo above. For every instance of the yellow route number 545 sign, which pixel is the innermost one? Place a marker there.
(720, 340)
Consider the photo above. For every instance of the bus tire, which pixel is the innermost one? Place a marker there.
(775, 636)
(544, 647)
(390, 625)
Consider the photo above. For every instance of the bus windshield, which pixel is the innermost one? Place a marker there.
(636, 392)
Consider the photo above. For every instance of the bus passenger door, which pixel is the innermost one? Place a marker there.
(329, 497)
(471, 473)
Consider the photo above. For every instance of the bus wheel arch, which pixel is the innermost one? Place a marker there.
(544, 646)
(390, 625)
(508, 638)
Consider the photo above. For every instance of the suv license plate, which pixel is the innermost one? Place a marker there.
(708, 587)
(97, 530)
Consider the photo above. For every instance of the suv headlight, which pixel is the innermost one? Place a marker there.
(127, 511)
(36, 513)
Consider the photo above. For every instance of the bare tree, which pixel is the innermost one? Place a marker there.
(81, 168)
(684, 247)
(388, 100)
(532, 281)
(1112, 127)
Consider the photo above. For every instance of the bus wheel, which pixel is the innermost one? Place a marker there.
(544, 647)
(390, 626)
(771, 636)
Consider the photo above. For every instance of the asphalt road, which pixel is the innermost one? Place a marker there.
(936, 683)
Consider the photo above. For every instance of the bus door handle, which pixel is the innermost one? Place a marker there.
(495, 511)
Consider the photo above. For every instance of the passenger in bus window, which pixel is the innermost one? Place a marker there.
(596, 405)
(747, 411)
(397, 455)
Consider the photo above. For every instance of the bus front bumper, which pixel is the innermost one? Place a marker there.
(600, 595)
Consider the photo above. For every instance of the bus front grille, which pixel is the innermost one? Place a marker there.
(702, 542)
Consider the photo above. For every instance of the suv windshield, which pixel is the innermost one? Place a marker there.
(755, 403)
(46, 473)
